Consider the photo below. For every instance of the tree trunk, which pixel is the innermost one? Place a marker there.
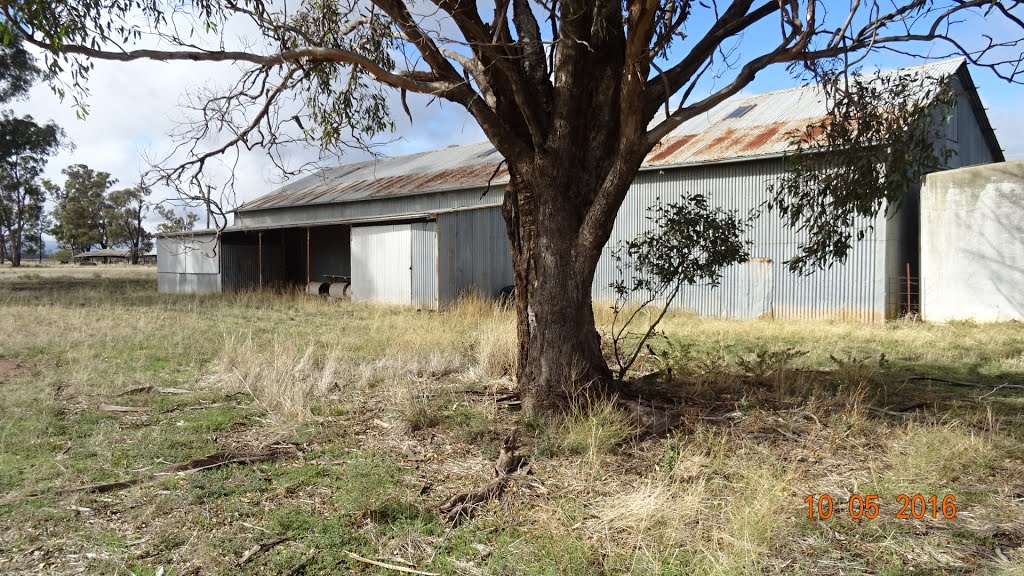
(560, 355)
(16, 248)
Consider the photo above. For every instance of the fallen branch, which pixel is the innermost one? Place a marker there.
(996, 389)
(214, 460)
(260, 548)
(122, 409)
(394, 567)
(225, 458)
(157, 389)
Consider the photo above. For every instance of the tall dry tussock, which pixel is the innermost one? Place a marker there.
(285, 381)
(498, 348)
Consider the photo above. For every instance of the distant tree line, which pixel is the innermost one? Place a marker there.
(88, 211)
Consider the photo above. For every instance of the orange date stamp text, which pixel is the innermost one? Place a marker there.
(866, 506)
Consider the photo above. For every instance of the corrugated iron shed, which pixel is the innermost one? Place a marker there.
(765, 129)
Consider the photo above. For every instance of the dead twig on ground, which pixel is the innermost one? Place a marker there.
(122, 409)
(258, 549)
(157, 389)
(954, 382)
(996, 389)
(214, 460)
(394, 567)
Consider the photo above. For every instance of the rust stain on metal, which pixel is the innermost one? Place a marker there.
(728, 143)
(453, 178)
(763, 136)
(668, 147)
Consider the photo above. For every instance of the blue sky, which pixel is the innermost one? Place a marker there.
(134, 107)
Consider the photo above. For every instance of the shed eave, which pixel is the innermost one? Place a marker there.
(241, 210)
(735, 160)
(400, 217)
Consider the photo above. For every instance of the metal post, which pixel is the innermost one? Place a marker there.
(908, 288)
(307, 255)
(259, 264)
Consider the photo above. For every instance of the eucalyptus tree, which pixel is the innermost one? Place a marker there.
(25, 147)
(127, 210)
(572, 93)
(81, 211)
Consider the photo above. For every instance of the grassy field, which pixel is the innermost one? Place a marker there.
(376, 415)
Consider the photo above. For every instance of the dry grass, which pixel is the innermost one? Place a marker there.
(395, 410)
(594, 428)
(284, 381)
(498, 348)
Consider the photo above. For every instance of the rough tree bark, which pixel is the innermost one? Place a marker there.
(554, 263)
(559, 347)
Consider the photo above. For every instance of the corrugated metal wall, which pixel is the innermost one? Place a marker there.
(471, 249)
(852, 290)
(188, 264)
(965, 134)
(472, 253)
(424, 265)
(382, 263)
(241, 271)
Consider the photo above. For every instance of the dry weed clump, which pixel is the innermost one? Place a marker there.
(594, 428)
(286, 381)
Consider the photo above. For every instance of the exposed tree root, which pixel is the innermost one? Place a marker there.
(462, 506)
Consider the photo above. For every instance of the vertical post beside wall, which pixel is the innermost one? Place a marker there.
(307, 255)
(259, 263)
(908, 288)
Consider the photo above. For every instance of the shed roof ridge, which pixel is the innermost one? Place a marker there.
(706, 138)
(930, 64)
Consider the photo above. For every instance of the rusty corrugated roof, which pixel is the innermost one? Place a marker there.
(451, 168)
(765, 130)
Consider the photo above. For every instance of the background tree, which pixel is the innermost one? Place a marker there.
(173, 222)
(80, 213)
(127, 213)
(35, 232)
(573, 93)
(25, 147)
